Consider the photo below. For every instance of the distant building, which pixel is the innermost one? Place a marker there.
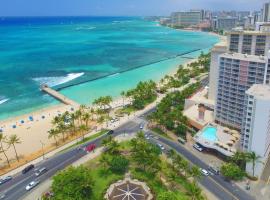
(225, 23)
(237, 73)
(262, 26)
(256, 126)
(188, 18)
(266, 12)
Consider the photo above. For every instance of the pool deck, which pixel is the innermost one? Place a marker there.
(222, 139)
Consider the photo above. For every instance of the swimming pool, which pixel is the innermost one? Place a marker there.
(210, 133)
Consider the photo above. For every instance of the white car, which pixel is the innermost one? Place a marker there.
(161, 146)
(198, 147)
(32, 185)
(204, 172)
(141, 126)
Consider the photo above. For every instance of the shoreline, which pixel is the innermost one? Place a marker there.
(32, 132)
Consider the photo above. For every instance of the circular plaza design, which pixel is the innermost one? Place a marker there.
(128, 189)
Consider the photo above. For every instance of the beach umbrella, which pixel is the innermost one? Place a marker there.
(43, 117)
(72, 109)
(31, 118)
(1, 130)
(22, 121)
(14, 126)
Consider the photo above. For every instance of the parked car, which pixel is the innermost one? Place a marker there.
(27, 169)
(214, 170)
(31, 185)
(204, 172)
(181, 140)
(6, 179)
(198, 147)
(156, 137)
(41, 171)
(141, 126)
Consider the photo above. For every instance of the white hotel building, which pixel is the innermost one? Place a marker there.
(256, 125)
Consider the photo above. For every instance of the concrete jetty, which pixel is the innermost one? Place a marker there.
(58, 96)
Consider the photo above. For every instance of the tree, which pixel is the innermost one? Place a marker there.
(73, 183)
(123, 94)
(86, 117)
(118, 164)
(240, 159)
(167, 196)
(194, 191)
(2, 150)
(83, 128)
(195, 172)
(254, 158)
(232, 171)
(53, 133)
(111, 146)
(12, 140)
(146, 155)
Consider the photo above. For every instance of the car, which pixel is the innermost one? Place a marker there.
(181, 140)
(6, 179)
(2, 195)
(214, 170)
(148, 138)
(161, 146)
(198, 147)
(156, 137)
(27, 169)
(204, 172)
(31, 185)
(41, 171)
(110, 132)
(141, 126)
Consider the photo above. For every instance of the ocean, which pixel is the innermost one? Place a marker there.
(85, 57)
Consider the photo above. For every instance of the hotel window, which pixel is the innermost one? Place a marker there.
(234, 42)
(260, 45)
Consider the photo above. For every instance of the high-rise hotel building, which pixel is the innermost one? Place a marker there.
(256, 126)
(245, 64)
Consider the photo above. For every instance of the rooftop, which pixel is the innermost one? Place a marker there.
(249, 32)
(260, 91)
(240, 56)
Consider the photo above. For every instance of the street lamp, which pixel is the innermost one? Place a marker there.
(42, 145)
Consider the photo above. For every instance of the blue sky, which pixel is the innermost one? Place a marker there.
(117, 7)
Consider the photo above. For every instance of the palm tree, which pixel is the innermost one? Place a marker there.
(86, 117)
(195, 172)
(123, 94)
(83, 129)
(54, 133)
(2, 150)
(194, 191)
(73, 119)
(254, 158)
(12, 140)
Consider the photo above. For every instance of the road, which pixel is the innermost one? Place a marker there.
(15, 189)
(216, 184)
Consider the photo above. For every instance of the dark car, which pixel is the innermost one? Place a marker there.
(110, 132)
(6, 179)
(27, 169)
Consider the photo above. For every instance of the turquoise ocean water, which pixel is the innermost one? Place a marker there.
(85, 57)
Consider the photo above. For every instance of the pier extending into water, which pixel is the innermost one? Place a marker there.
(58, 96)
